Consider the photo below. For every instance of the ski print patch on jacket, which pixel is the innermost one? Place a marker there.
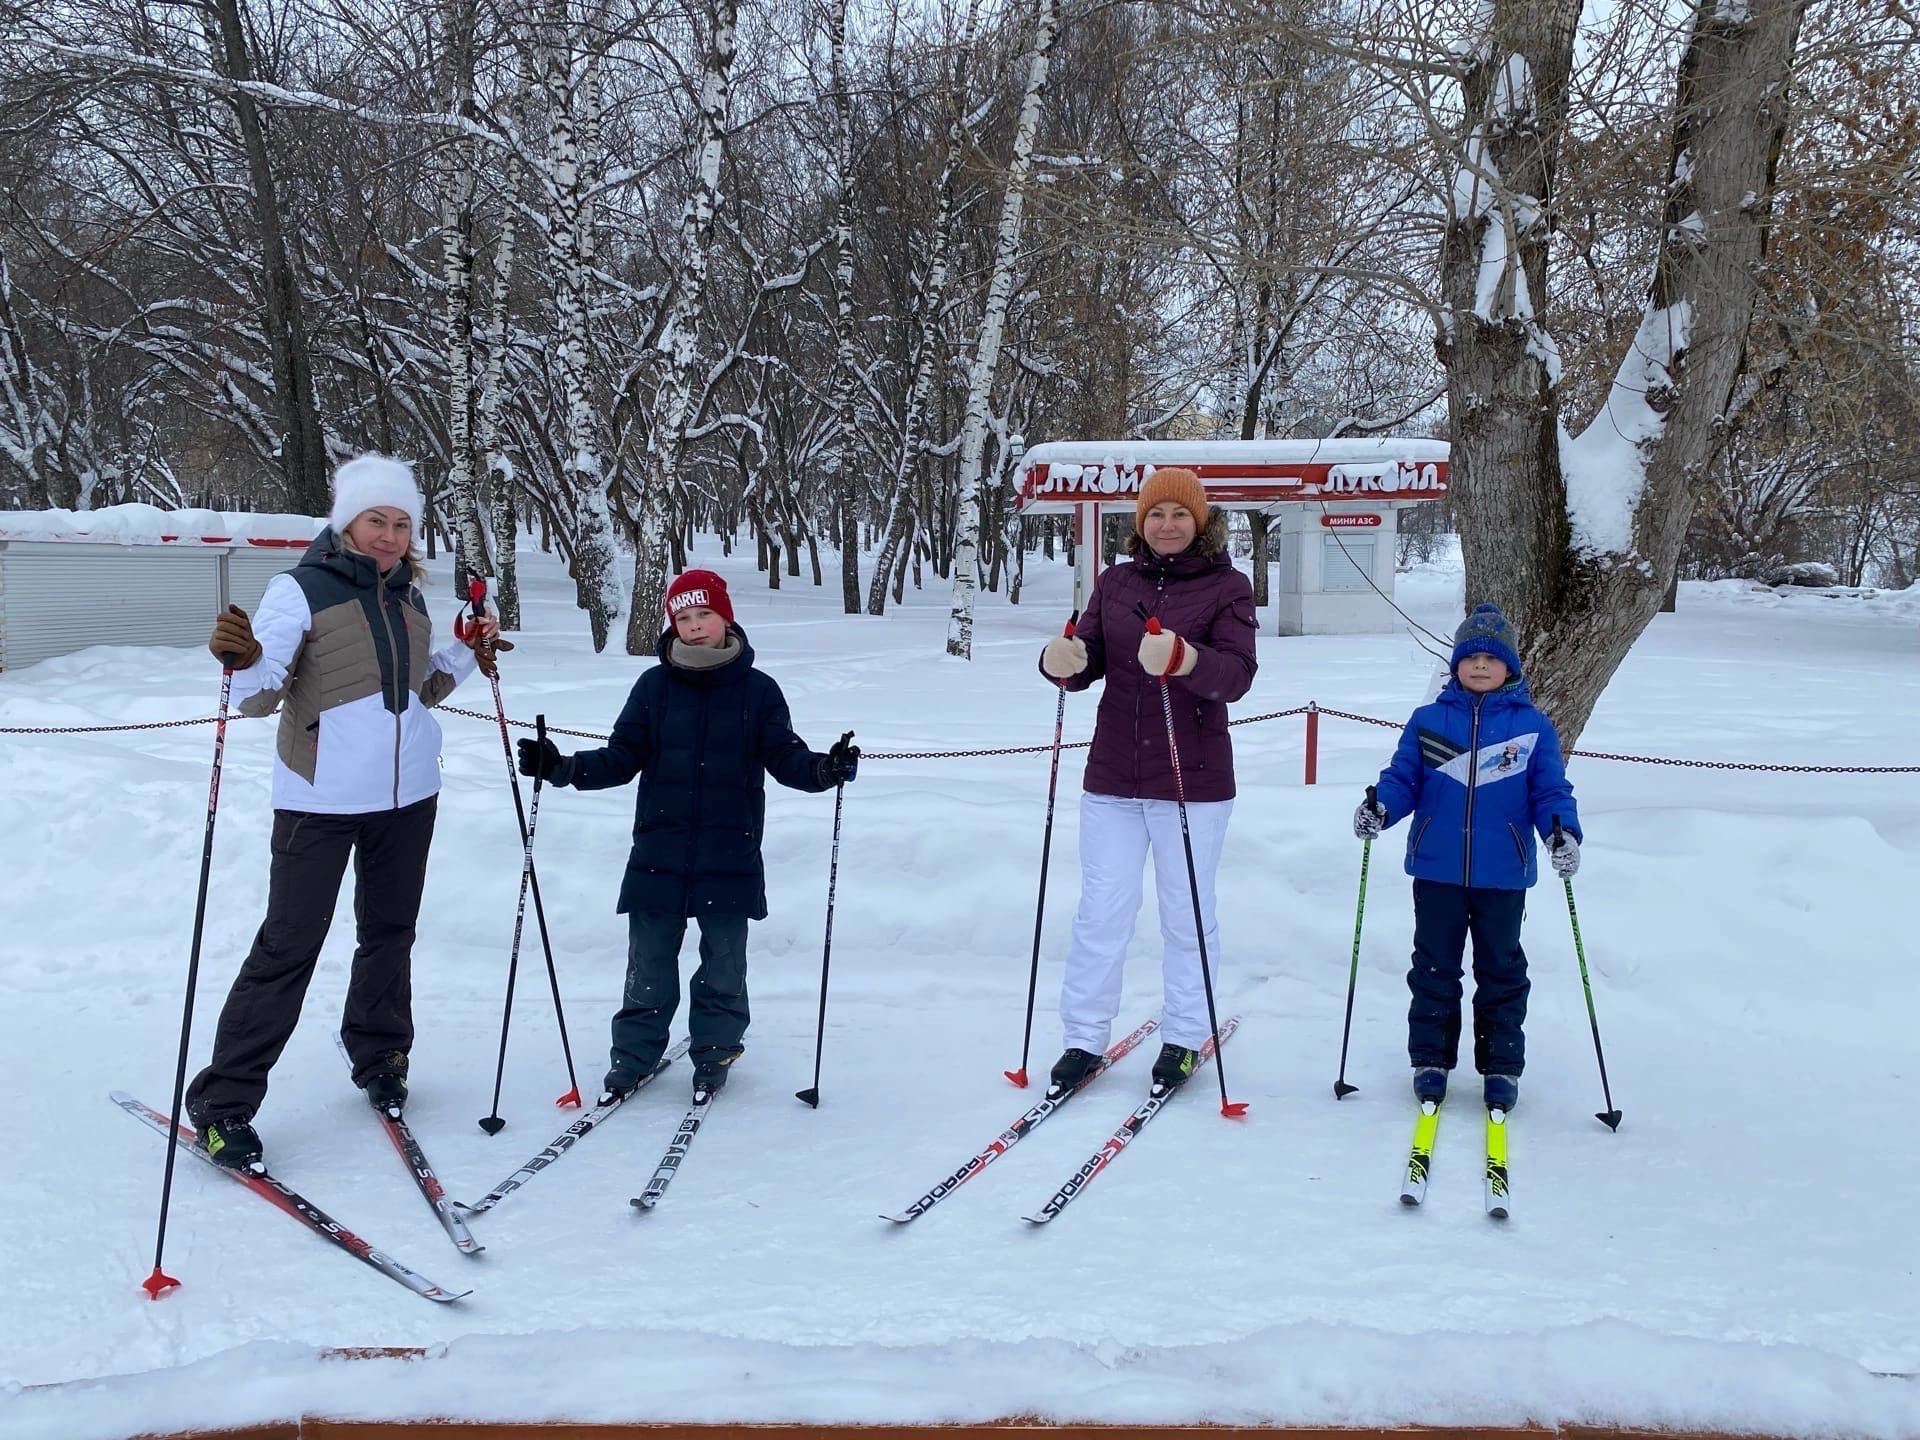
(1498, 760)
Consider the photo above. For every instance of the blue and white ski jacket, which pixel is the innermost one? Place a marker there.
(1481, 775)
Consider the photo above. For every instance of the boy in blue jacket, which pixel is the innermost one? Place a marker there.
(1480, 771)
(702, 730)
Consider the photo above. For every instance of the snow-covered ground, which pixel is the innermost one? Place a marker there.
(1741, 1254)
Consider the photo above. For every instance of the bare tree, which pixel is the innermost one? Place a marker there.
(1579, 540)
(680, 338)
(930, 299)
(973, 435)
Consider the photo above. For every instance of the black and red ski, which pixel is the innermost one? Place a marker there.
(1129, 1129)
(1018, 1131)
(431, 1190)
(296, 1205)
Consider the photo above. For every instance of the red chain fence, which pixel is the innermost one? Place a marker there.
(1311, 710)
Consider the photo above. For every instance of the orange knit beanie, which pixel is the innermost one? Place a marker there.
(1171, 482)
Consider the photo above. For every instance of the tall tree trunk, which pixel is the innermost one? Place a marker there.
(680, 339)
(986, 356)
(457, 159)
(498, 473)
(303, 448)
(595, 558)
(931, 300)
(846, 469)
(1578, 539)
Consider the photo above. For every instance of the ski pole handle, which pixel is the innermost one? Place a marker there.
(464, 625)
(1072, 621)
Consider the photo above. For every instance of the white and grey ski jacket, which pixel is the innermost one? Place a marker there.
(346, 654)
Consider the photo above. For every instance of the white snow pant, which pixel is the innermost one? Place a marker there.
(1115, 837)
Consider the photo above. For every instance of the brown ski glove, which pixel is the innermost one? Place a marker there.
(232, 642)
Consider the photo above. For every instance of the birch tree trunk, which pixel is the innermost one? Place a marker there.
(986, 356)
(596, 576)
(889, 565)
(29, 428)
(457, 159)
(680, 339)
(1578, 539)
(500, 483)
(303, 449)
(845, 468)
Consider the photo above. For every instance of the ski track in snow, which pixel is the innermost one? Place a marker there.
(1740, 1254)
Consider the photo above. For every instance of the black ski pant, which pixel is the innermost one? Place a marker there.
(389, 849)
(1444, 916)
(717, 1013)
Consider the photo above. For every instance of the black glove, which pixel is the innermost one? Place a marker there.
(840, 764)
(542, 760)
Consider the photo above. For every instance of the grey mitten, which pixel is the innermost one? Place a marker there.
(1369, 819)
(1563, 853)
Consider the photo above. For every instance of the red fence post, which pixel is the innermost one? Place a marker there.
(1313, 741)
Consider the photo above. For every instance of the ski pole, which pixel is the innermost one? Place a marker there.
(811, 1095)
(1019, 1077)
(159, 1282)
(1609, 1117)
(1340, 1087)
(493, 1124)
(477, 596)
(1233, 1110)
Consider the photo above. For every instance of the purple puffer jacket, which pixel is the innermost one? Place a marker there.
(1199, 596)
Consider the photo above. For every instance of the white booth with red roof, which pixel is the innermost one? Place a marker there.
(1335, 501)
(133, 574)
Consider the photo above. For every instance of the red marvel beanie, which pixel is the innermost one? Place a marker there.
(700, 588)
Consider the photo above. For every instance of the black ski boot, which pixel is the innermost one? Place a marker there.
(710, 1071)
(386, 1087)
(1069, 1070)
(619, 1084)
(1175, 1065)
(233, 1144)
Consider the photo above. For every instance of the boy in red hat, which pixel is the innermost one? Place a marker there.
(702, 730)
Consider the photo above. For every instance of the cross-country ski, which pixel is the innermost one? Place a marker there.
(290, 1202)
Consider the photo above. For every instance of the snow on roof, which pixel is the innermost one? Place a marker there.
(1361, 451)
(150, 525)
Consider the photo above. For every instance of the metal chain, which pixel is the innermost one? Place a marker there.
(1310, 708)
(106, 729)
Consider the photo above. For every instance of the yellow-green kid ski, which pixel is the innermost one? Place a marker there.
(1425, 1129)
(1498, 1200)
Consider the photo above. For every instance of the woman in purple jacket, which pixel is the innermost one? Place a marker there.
(1181, 575)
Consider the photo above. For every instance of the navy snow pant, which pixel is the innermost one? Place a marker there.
(1443, 917)
(717, 1014)
(389, 850)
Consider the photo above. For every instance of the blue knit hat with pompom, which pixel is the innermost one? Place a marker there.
(1486, 632)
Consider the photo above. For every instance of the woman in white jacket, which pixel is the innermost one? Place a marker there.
(343, 646)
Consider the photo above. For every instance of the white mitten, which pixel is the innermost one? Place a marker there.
(1158, 651)
(1064, 657)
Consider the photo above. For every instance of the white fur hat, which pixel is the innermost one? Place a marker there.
(367, 481)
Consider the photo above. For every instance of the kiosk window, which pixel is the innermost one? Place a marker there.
(1346, 562)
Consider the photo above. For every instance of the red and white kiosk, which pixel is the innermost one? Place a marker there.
(1335, 501)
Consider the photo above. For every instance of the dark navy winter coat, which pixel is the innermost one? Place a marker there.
(1481, 775)
(702, 743)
